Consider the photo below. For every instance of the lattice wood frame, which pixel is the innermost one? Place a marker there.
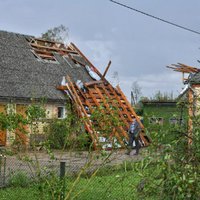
(94, 95)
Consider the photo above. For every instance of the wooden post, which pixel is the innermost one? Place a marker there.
(191, 101)
(62, 169)
(62, 178)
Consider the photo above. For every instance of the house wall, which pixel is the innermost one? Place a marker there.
(8, 137)
(51, 113)
(197, 99)
(166, 113)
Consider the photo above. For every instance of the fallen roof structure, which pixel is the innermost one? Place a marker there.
(100, 92)
(103, 94)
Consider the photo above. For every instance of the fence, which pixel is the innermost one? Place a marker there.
(2, 170)
(111, 182)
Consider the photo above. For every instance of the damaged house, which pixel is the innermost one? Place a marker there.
(34, 68)
(191, 90)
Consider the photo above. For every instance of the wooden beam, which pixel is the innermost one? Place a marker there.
(190, 124)
(52, 48)
(76, 49)
(82, 112)
(46, 56)
(108, 66)
(76, 60)
(42, 51)
(62, 87)
(183, 68)
(93, 83)
(45, 40)
(189, 67)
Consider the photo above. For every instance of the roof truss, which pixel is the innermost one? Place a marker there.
(185, 69)
(101, 94)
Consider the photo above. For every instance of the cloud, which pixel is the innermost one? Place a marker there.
(165, 82)
(98, 51)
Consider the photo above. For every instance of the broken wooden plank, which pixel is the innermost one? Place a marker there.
(108, 66)
(93, 83)
(74, 47)
(52, 48)
(46, 56)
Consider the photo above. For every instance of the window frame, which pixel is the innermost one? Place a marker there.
(63, 113)
(158, 121)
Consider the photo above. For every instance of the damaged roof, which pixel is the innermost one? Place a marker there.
(34, 68)
(195, 78)
(24, 76)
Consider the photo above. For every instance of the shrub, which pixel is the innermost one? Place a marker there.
(171, 170)
(19, 179)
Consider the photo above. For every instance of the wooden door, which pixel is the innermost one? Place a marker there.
(21, 135)
(2, 132)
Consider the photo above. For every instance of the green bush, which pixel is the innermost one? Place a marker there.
(19, 179)
(57, 133)
(171, 169)
(62, 134)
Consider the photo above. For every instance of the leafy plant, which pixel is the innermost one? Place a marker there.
(18, 179)
(52, 187)
(66, 133)
(106, 122)
(171, 169)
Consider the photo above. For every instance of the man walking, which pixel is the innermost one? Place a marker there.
(134, 132)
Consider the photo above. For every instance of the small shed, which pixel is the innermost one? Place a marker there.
(163, 113)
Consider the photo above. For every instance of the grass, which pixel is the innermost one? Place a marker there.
(116, 186)
(17, 193)
(117, 182)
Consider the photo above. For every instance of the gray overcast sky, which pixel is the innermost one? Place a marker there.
(138, 46)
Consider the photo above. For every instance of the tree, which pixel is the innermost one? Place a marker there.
(58, 34)
(159, 96)
(135, 93)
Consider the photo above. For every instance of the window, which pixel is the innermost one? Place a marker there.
(156, 120)
(175, 120)
(43, 50)
(61, 112)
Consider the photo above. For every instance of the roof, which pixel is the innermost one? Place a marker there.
(23, 75)
(195, 78)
